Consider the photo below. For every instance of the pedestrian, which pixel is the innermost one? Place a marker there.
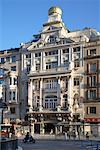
(74, 135)
(68, 134)
(87, 136)
(65, 135)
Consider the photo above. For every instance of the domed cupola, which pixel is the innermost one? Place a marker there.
(54, 14)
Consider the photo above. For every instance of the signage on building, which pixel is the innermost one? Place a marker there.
(92, 119)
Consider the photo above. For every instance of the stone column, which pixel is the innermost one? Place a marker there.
(58, 92)
(70, 92)
(33, 62)
(70, 57)
(41, 96)
(16, 95)
(72, 61)
(61, 95)
(61, 57)
(60, 129)
(41, 62)
(44, 63)
(59, 62)
(22, 62)
(30, 95)
(32, 128)
(81, 56)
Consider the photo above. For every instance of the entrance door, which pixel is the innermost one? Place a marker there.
(37, 128)
(94, 129)
(49, 128)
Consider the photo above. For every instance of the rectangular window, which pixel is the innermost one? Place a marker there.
(92, 67)
(51, 65)
(7, 59)
(1, 82)
(13, 58)
(92, 110)
(77, 64)
(14, 95)
(93, 81)
(36, 85)
(13, 68)
(38, 67)
(10, 80)
(10, 95)
(37, 54)
(87, 52)
(55, 52)
(76, 49)
(87, 110)
(14, 81)
(2, 61)
(88, 81)
(91, 94)
(76, 81)
(28, 55)
(66, 50)
(1, 72)
(28, 68)
(93, 52)
(12, 110)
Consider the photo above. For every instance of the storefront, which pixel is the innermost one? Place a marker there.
(92, 125)
(46, 122)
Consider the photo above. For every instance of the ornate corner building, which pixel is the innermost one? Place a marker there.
(56, 88)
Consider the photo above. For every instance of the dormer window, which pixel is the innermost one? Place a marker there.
(52, 39)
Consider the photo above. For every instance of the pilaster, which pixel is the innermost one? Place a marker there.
(30, 95)
(41, 96)
(58, 92)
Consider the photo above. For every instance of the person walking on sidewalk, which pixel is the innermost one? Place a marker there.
(87, 136)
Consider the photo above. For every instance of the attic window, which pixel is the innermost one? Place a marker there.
(52, 39)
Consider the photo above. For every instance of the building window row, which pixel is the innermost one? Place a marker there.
(91, 52)
(12, 95)
(11, 59)
(13, 81)
(91, 110)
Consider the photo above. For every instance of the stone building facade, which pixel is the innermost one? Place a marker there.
(9, 83)
(92, 85)
(52, 77)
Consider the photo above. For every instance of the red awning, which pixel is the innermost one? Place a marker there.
(92, 120)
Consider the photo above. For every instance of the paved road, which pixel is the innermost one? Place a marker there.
(56, 145)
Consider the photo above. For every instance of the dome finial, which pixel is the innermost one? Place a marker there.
(54, 9)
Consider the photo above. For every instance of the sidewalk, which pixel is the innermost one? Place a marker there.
(19, 148)
(60, 137)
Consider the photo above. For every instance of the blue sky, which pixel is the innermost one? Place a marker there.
(20, 19)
